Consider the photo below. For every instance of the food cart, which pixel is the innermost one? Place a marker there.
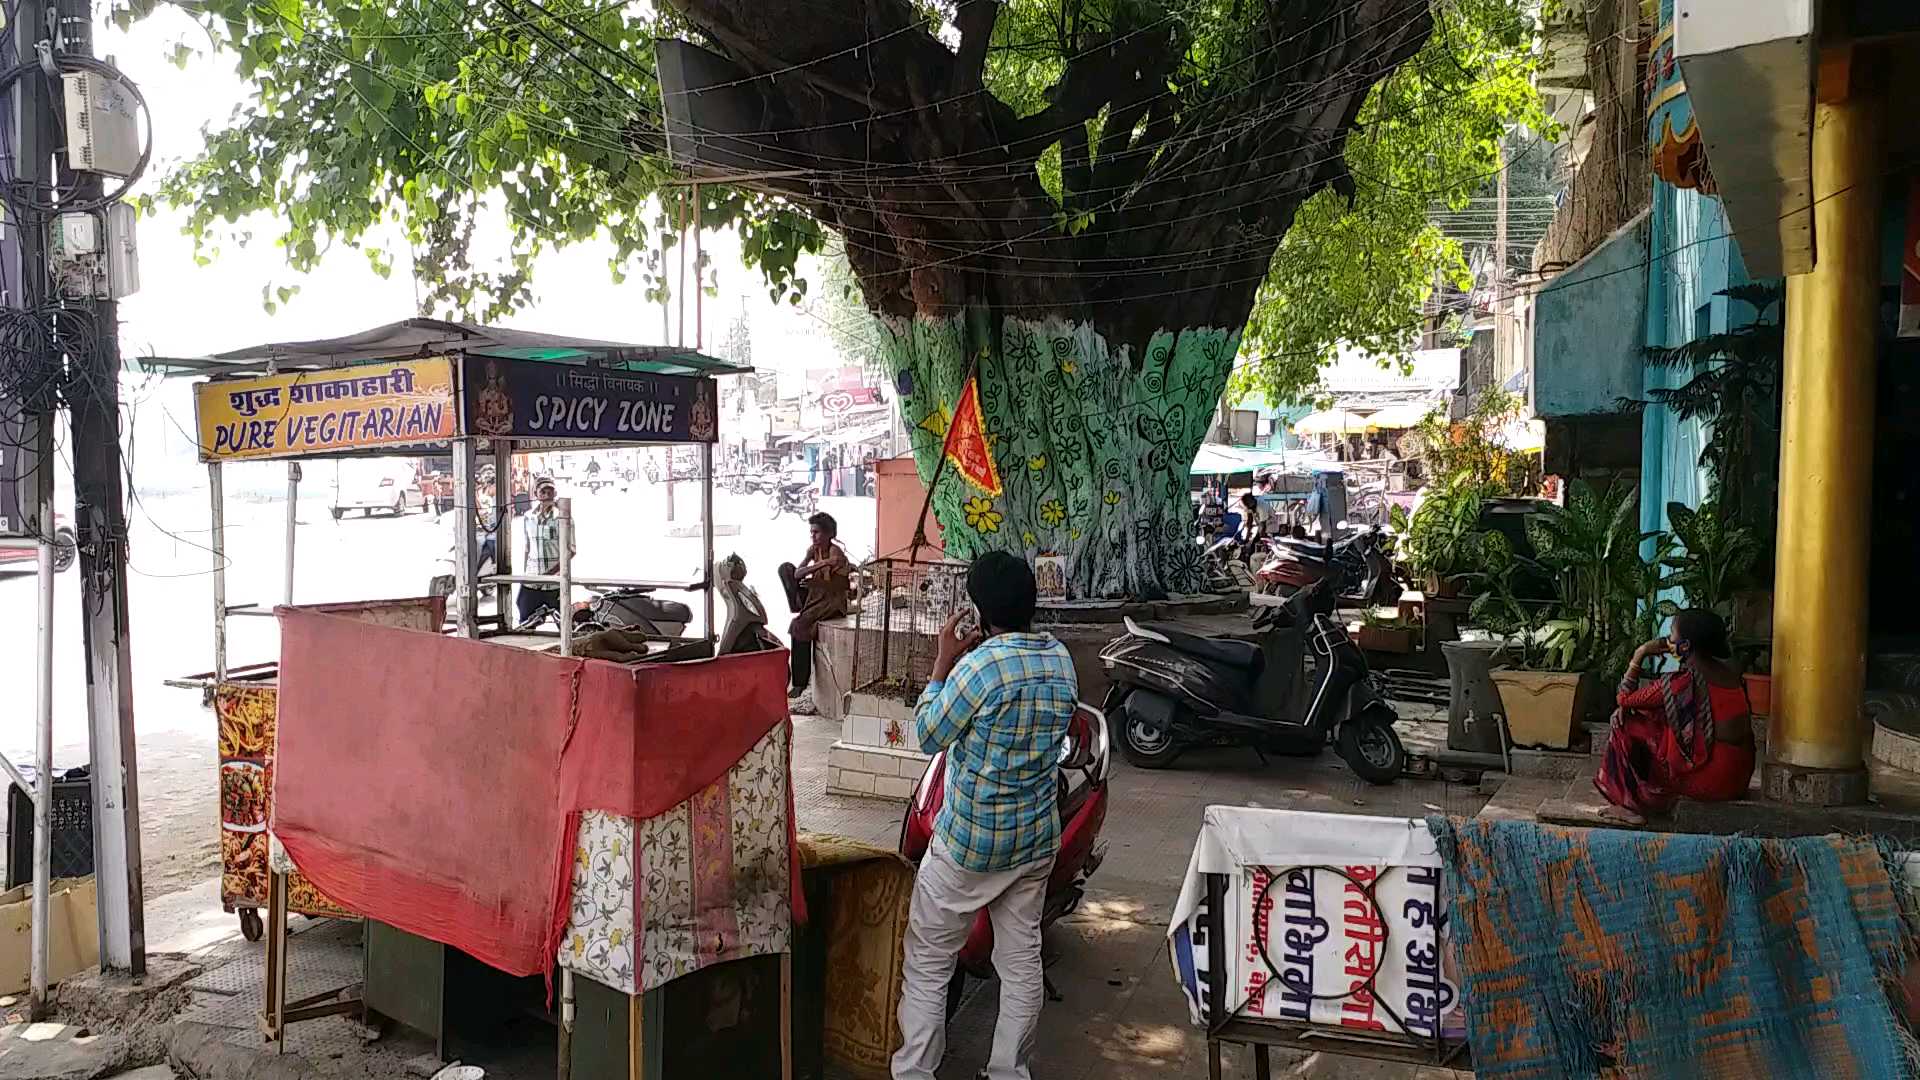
(425, 386)
(413, 388)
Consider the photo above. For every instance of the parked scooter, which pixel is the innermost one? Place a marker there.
(1172, 690)
(793, 497)
(746, 627)
(631, 607)
(442, 583)
(1085, 760)
(1360, 567)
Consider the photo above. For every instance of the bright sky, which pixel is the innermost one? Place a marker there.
(188, 310)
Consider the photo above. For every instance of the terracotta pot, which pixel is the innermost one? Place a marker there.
(1387, 639)
(1543, 708)
(1760, 694)
(1442, 587)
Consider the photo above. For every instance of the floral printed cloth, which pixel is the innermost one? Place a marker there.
(705, 882)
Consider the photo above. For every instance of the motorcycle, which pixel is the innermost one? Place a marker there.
(1226, 561)
(1359, 566)
(1085, 761)
(746, 480)
(793, 497)
(1172, 690)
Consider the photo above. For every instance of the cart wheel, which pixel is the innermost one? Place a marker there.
(251, 927)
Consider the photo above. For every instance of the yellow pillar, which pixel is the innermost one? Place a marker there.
(1826, 464)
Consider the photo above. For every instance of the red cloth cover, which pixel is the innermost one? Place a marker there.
(434, 783)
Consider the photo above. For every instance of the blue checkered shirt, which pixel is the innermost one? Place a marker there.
(1001, 715)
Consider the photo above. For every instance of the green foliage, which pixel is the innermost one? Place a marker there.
(425, 121)
(1496, 602)
(1358, 269)
(737, 345)
(1606, 596)
(1715, 559)
(432, 118)
(837, 306)
(1467, 465)
(1440, 536)
(1591, 547)
(1735, 390)
(1471, 453)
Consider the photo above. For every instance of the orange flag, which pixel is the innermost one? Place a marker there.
(966, 445)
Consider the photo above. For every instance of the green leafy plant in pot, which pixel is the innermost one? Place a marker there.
(1712, 563)
(1567, 648)
(1440, 538)
(1469, 464)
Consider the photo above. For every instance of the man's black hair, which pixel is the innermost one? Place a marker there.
(825, 523)
(1001, 585)
(1705, 631)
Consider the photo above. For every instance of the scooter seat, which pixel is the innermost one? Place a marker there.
(1240, 654)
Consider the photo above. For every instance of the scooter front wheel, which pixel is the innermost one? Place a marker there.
(1146, 747)
(1373, 749)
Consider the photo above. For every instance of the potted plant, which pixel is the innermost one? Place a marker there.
(1469, 463)
(1759, 680)
(1538, 697)
(1559, 650)
(1715, 558)
(1378, 633)
(1732, 385)
(1440, 537)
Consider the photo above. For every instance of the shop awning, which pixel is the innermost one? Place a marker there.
(413, 338)
(1401, 417)
(1331, 422)
(1219, 459)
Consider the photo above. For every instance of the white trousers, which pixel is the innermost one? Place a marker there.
(945, 900)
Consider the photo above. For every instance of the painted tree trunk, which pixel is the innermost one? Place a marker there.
(1093, 442)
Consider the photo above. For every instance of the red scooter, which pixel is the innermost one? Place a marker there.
(1360, 567)
(1082, 778)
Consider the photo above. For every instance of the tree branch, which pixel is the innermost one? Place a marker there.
(975, 20)
(1110, 70)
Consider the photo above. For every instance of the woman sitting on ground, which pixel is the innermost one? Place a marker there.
(1688, 734)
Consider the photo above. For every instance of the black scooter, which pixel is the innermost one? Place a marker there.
(1172, 690)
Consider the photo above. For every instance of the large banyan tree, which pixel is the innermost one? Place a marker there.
(1073, 204)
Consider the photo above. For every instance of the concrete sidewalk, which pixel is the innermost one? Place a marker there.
(1121, 1015)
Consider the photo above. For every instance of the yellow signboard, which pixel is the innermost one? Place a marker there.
(317, 412)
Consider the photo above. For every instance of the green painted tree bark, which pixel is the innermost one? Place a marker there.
(1093, 442)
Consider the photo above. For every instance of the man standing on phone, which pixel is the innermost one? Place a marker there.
(999, 703)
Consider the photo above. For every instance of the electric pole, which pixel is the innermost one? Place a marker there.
(90, 336)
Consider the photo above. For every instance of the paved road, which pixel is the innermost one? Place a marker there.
(622, 534)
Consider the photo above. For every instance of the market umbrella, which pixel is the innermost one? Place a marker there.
(1401, 417)
(1330, 422)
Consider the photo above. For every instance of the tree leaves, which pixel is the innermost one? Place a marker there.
(437, 116)
(1358, 269)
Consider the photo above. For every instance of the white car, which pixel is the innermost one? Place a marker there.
(384, 485)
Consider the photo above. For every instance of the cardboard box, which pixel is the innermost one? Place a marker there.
(73, 942)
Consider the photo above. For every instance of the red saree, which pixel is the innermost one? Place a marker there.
(1662, 746)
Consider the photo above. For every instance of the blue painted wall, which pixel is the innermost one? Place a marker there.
(1694, 258)
(1588, 333)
